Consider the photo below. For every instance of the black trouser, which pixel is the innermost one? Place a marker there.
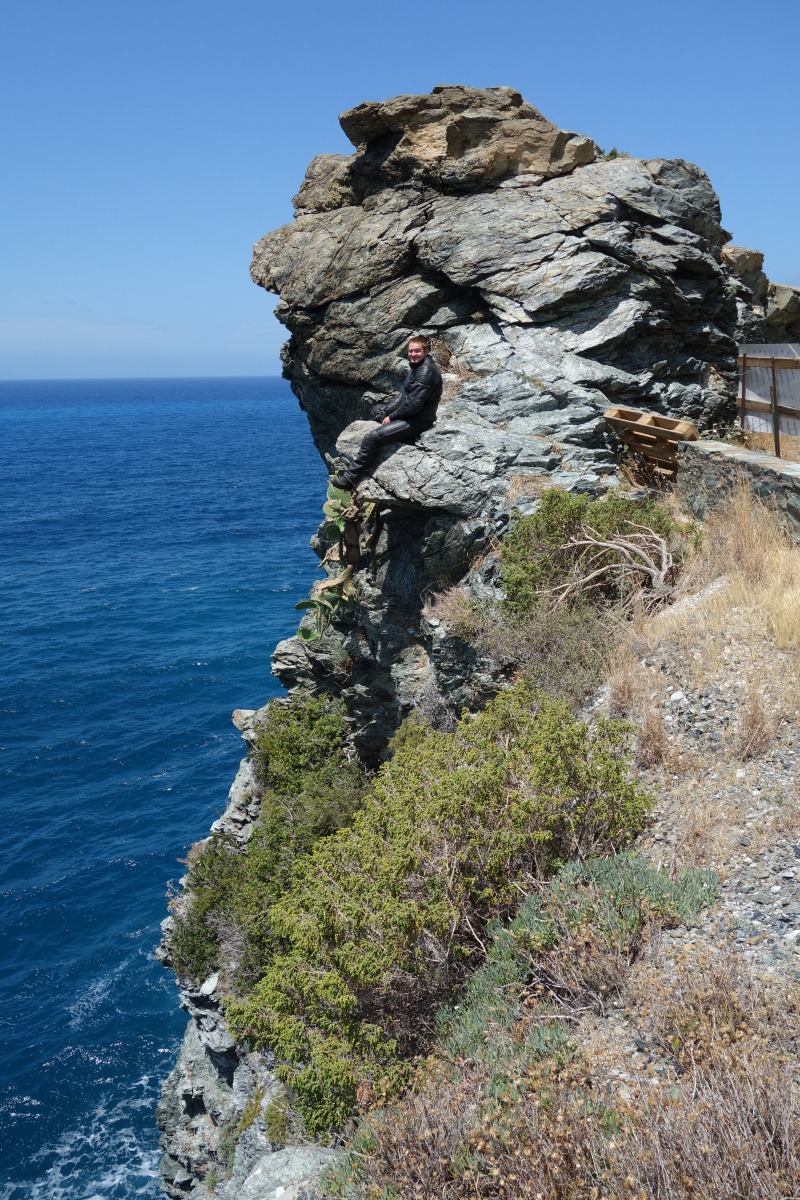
(395, 431)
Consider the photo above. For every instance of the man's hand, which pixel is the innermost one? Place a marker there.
(386, 420)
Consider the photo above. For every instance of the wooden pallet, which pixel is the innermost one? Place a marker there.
(655, 437)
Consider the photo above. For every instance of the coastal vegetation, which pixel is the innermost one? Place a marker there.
(312, 785)
(359, 905)
(501, 1105)
(572, 574)
(385, 919)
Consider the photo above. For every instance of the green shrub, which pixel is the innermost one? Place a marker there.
(384, 919)
(216, 870)
(535, 557)
(561, 646)
(562, 651)
(312, 788)
(301, 739)
(276, 1120)
(585, 926)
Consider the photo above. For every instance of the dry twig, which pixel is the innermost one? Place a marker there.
(644, 553)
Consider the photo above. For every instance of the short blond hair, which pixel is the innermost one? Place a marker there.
(420, 340)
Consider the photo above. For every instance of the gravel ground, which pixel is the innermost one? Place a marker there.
(723, 704)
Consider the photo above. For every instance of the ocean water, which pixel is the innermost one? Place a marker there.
(154, 540)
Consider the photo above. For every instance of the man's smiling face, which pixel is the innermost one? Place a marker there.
(416, 353)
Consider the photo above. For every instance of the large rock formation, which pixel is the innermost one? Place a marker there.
(769, 312)
(555, 280)
(577, 279)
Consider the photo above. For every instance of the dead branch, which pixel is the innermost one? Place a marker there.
(645, 554)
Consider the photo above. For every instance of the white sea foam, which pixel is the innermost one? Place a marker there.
(90, 998)
(104, 1159)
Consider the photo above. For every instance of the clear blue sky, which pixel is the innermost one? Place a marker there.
(146, 144)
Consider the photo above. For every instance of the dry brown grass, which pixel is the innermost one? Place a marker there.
(709, 995)
(457, 609)
(527, 486)
(627, 683)
(757, 725)
(790, 446)
(709, 833)
(727, 1131)
(714, 1113)
(751, 549)
(735, 630)
(453, 372)
(651, 738)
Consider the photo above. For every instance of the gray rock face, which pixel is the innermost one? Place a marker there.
(554, 282)
(768, 312)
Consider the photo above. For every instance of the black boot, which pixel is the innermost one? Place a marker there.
(344, 482)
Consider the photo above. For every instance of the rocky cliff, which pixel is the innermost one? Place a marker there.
(554, 281)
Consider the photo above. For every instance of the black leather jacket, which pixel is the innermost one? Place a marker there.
(417, 400)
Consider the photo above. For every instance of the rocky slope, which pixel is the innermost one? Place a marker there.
(554, 281)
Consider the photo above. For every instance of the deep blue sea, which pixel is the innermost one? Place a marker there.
(154, 540)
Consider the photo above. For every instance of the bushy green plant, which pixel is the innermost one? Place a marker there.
(536, 556)
(312, 785)
(276, 1120)
(587, 922)
(383, 919)
(562, 651)
(302, 739)
(216, 869)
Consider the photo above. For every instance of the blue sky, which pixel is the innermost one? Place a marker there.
(146, 145)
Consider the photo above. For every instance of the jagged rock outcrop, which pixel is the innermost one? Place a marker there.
(555, 282)
(768, 312)
(467, 214)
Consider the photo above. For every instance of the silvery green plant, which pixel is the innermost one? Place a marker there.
(336, 596)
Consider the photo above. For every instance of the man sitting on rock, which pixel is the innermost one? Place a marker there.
(405, 417)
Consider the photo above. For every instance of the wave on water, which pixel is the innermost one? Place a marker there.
(103, 1158)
